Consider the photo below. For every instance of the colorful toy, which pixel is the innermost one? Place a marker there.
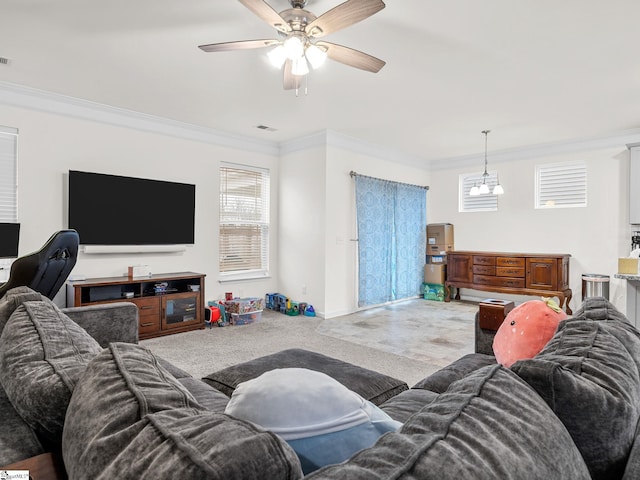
(309, 311)
(526, 330)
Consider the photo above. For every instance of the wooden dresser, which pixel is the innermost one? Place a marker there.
(545, 275)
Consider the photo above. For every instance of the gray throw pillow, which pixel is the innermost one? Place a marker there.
(590, 379)
(12, 300)
(43, 353)
(488, 425)
(130, 418)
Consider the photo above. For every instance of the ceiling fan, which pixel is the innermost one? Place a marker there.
(298, 30)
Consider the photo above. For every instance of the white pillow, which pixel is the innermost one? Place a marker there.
(320, 418)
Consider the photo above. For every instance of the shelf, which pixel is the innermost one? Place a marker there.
(156, 308)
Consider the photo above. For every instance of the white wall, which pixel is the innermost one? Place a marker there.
(50, 144)
(302, 226)
(595, 236)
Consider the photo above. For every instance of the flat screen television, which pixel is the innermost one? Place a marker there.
(116, 210)
(9, 239)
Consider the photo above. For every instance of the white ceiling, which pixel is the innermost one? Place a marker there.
(531, 71)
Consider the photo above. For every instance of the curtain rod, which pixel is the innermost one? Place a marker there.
(355, 174)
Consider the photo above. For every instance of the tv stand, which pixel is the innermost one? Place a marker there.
(168, 303)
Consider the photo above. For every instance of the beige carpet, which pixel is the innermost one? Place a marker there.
(407, 340)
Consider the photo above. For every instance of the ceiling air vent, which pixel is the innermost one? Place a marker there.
(4, 61)
(266, 128)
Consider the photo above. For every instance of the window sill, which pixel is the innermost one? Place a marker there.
(239, 277)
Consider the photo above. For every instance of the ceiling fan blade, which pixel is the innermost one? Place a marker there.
(290, 81)
(352, 58)
(344, 15)
(240, 45)
(263, 10)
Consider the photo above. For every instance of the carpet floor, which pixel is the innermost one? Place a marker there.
(407, 340)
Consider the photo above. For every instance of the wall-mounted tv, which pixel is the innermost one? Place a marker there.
(116, 210)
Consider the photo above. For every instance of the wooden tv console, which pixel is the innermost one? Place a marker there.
(179, 308)
(545, 275)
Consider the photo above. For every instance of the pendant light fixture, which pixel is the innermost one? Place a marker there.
(484, 189)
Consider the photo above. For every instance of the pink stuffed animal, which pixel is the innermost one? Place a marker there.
(526, 330)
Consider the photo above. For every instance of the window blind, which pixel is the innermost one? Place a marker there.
(478, 203)
(561, 185)
(8, 175)
(244, 220)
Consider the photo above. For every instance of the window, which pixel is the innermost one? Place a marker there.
(477, 203)
(244, 222)
(8, 175)
(561, 185)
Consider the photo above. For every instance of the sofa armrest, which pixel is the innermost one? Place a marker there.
(109, 322)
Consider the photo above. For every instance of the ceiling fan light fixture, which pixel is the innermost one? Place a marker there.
(484, 189)
(315, 55)
(498, 190)
(293, 47)
(474, 190)
(277, 56)
(299, 67)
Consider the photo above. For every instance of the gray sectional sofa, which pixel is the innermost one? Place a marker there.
(75, 382)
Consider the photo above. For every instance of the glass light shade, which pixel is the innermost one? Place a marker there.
(315, 55)
(484, 188)
(293, 47)
(498, 190)
(299, 67)
(277, 56)
(474, 191)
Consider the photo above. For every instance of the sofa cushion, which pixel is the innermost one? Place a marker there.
(17, 440)
(488, 425)
(439, 381)
(591, 381)
(373, 386)
(12, 300)
(408, 403)
(43, 353)
(130, 418)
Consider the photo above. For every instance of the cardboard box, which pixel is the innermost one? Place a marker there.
(438, 249)
(435, 274)
(628, 266)
(433, 292)
(437, 259)
(440, 234)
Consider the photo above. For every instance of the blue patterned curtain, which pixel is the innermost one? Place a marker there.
(392, 221)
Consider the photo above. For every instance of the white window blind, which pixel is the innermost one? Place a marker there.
(477, 203)
(8, 174)
(244, 222)
(561, 185)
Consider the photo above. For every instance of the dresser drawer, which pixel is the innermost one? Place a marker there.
(510, 271)
(499, 281)
(483, 260)
(148, 305)
(149, 323)
(484, 269)
(148, 314)
(510, 262)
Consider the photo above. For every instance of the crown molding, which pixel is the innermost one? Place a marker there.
(331, 138)
(44, 101)
(41, 100)
(621, 140)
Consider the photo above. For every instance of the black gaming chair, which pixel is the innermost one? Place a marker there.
(47, 269)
